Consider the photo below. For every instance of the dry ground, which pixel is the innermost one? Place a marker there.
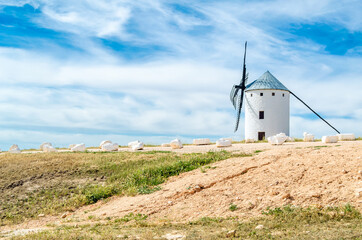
(282, 175)
(301, 174)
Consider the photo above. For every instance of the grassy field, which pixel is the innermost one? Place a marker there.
(279, 223)
(51, 183)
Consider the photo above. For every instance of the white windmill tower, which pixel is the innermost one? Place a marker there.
(267, 108)
(267, 105)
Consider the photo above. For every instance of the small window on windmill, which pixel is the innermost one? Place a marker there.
(261, 94)
(283, 94)
(261, 114)
(251, 94)
(273, 94)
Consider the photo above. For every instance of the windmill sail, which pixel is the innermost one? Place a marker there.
(237, 100)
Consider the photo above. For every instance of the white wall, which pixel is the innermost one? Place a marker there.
(276, 113)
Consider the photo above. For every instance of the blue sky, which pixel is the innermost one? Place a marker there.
(85, 71)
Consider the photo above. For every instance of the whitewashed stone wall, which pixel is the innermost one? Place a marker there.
(276, 113)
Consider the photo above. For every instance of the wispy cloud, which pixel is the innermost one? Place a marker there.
(74, 70)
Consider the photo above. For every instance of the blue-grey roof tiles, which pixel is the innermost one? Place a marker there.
(266, 81)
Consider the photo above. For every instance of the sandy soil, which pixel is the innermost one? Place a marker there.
(301, 174)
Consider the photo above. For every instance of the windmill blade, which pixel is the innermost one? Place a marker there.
(238, 114)
(236, 100)
(233, 95)
(314, 112)
(246, 78)
(243, 79)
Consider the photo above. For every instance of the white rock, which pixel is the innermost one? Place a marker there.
(138, 146)
(110, 146)
(201, 141)
(259, 227)
(346, 137)
(170, 236)
(231, 234)
(72, 146)
(250, 140)
(104, 142)
(48, 148)
(78, 148)
(278, 139)
(290, 139)
(130, 144)
(44, 144)
(223, 142)
(329, 139)
(307, 137)
(176, 144)
(14, 149)
(230, 139)
(165, 145)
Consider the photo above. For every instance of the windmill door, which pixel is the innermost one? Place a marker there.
(261, 136)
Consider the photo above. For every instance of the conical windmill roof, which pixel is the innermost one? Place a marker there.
(266, 81)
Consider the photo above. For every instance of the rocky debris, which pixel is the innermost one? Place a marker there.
(231, 234)
(290, 139)
(287, 196)
(249, 140)
(136, 145)
(344, 171)
(346, 137)
(110, 147)
(104, 142)
(176, 144)
(49, 148)
(307, 137)
(78, 148)
(360, 172)
(44, 144)
(130, 144)
(15, 184)
(329, 139)
(259, 227)
(223, 142)
(278, 139)
(14, 149)
(274, 192)
(165, 145)
(201, 141)
(64, 215)
(170, 236)
(41, 215)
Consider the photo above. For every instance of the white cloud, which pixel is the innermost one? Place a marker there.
(180, 92)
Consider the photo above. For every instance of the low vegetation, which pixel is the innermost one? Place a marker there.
(51, 183)
(278, 223)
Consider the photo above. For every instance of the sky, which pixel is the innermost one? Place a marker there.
(90, 70)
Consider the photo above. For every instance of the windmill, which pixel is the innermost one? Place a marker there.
(267, 105)
(237, 100)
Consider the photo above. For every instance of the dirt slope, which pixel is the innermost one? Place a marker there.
(301, 175)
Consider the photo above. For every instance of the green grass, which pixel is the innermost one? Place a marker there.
(286, 222)
(33, 184)
(298, 140)
(233, 207)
